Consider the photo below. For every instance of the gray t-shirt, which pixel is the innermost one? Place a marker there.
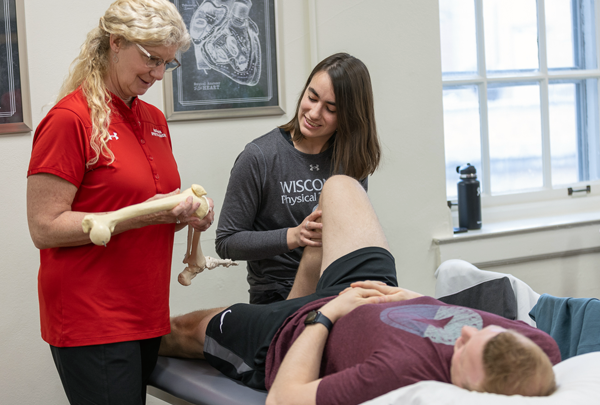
(272, 187)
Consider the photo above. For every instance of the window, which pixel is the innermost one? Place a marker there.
(520, 94)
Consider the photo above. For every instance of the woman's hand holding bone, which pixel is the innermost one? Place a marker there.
(197, 223)
(183, 213)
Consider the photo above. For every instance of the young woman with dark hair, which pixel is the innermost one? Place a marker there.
(270, 209)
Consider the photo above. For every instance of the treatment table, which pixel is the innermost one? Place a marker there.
(186, 382)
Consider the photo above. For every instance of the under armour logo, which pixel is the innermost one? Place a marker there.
(315, 167)
(113, 136)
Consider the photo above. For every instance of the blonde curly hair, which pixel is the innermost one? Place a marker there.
(147, 22)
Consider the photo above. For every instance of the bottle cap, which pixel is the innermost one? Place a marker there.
(467, 171)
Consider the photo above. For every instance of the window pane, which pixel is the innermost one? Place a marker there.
(461, 133)
(563, 132)
(510, 35)
(588, 141)
(559, 34)
(515, 138)
(586, 34)
(513, 121)
(457, 32)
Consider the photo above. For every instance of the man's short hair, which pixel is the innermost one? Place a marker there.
(515, 365)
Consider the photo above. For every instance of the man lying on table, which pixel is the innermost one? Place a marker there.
(323, 347)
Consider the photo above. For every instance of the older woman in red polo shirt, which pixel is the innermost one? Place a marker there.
(104, 309)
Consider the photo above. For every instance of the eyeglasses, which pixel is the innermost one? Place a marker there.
(154, 62)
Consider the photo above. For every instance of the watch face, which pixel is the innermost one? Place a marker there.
(310, 318)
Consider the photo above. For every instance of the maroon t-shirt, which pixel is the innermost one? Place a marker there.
(378, 348)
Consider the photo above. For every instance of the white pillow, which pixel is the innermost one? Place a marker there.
(578, 380)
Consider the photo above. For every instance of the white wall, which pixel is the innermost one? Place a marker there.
(571, 276)
(397, 39)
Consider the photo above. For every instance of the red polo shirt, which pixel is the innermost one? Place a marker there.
(93, 294)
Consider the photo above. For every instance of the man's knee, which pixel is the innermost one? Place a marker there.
(188, 333)
(181, 326)
(340, 183)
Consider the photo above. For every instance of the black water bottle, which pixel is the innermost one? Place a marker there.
(469, 198)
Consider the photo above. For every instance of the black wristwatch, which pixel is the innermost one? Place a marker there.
(317, 317)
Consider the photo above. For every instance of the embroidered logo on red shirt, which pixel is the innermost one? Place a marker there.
(158, 132)
(113, 136)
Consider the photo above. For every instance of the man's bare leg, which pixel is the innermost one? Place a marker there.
(188, 333)
(351, 224)
(308, 274)
(349, 221)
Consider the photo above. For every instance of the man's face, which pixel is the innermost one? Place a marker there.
(466, 368)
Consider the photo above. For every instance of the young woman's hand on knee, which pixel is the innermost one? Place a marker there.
(308, 233)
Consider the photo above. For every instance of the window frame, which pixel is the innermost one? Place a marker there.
(544, 77)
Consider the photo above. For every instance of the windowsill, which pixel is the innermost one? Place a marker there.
(527, 232)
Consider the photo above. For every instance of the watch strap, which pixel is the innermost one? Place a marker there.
(319, 318)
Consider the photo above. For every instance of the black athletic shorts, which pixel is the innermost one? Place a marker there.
(237, 339)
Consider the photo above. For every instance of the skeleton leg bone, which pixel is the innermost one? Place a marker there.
(193, 258)
(196, 261)
(101, 226)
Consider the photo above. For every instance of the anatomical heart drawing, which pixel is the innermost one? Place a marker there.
(227, 40)
(231, 67)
